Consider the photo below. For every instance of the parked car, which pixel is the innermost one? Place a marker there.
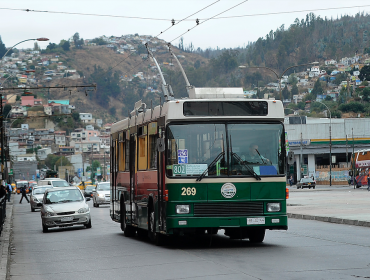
(65, 206)
(36, 197)
(88, 192)
(306, 183)
(101, 194)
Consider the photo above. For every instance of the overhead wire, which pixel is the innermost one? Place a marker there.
(166, 19)
(173, 24)
(199, 23)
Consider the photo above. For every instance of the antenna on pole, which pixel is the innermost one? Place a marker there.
(188, 85)
(166, 88)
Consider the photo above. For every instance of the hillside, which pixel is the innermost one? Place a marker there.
(119, 84)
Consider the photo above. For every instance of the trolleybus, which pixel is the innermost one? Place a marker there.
(213, 161)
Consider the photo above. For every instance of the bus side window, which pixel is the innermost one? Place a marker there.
(143, 148)
(152, 151)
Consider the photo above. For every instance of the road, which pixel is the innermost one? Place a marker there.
(308, 250)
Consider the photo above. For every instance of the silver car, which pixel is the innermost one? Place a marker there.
(101, 194)
(37, 196)
(63, 207)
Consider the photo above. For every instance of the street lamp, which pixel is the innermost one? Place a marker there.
(329, 137)
(37, 39)
(276, 74)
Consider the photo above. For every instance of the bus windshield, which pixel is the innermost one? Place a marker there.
(225, 149)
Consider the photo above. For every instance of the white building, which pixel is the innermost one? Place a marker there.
(26, 157)
(85, 117)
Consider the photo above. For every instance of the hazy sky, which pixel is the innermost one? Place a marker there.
(16, 26)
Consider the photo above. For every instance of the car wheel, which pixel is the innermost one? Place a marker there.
(256, 235)
(32, 209)
(297, 187)
(313, 187)
(88, 225)
(45, 228)
(97, 205)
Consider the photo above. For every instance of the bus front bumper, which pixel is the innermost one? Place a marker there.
(267, 222)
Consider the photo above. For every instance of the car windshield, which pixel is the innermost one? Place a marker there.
(103, 187)
(307, 180)
(63, 196)
(238, 149)
(39, 190)
(89, 188)
(59, 183)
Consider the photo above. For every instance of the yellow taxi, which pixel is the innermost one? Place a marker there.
(83, 185)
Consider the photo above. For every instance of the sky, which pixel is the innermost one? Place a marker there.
(16, 26)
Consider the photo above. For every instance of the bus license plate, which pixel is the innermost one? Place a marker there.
(255, 221)
(66, 219)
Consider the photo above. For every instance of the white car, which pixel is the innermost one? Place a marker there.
(62, 207)
(101, 194)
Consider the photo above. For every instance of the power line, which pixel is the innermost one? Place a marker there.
(170, 20)
(199, 23)
(173, 21)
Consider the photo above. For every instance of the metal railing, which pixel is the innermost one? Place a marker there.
(2, 212)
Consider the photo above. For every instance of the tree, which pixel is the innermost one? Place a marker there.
(36, 46)
(141, 49)
(51, 46)
(2, 48)
(317, 88)
(294, 90)
(366, 94)
(285, 93)
(65, 45)
(78, 42)
(365, 73)
(6, 110)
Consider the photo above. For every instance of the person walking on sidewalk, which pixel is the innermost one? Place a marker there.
(291, 181)
(24, 194)
(10, 189)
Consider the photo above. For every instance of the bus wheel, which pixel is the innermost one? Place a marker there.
(256, 235)
(128, 230)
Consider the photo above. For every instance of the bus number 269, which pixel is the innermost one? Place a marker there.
(188, 191)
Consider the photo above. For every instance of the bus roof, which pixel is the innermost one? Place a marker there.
(173, 110)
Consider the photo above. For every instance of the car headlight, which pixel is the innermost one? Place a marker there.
(35, 199)
(101, 194)
(182, 209)
(83, 210)
(273, 207)
(49, 214)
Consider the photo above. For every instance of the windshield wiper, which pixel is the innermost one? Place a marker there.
(261, 157)
(249, 168)
(210, 165)
(67, 200)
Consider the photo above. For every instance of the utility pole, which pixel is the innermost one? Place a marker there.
(2, 137)
(353, 161)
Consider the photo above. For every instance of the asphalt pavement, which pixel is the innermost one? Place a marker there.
(334, 204)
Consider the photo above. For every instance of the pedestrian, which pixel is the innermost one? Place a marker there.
(10, 189)
(291, 180)
(24, 194)
(368, 183)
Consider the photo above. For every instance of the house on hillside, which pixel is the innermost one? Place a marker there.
(28, 101)
(60, 137)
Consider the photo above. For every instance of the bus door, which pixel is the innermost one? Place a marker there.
(132, 168)
(161, 182)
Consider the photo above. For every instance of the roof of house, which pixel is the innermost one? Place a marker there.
(27, 100)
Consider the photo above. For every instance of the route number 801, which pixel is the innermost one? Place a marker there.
(188, 191)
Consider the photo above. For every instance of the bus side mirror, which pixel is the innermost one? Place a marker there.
(160, 145)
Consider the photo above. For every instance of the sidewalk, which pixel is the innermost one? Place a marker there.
(5, 239)
(335, 204)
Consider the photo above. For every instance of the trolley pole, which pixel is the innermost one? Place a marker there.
(2, 137)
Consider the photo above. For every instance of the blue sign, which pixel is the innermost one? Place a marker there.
(182, 156)
(79, 172)
(33, 177)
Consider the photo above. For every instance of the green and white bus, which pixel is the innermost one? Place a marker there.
(215, 160)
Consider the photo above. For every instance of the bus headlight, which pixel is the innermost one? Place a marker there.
(273, 207)
(182, 209)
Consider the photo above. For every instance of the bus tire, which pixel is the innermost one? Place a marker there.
(128, 230)
(256, 235)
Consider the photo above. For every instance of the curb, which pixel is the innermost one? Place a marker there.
(5, 242)
(330, 220)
